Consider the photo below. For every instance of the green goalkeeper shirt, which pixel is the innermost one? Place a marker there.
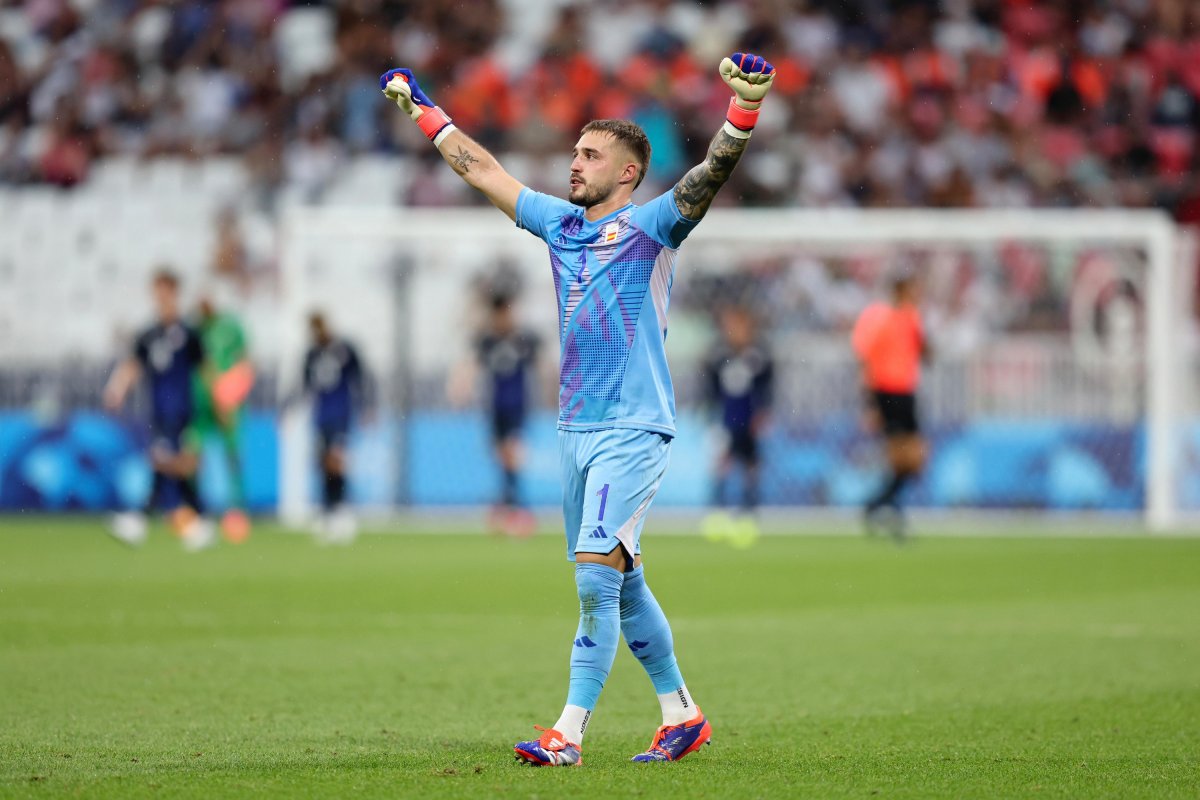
(224, 342)
(224, 345)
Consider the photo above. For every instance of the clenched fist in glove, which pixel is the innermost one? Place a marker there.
(750, 78)
(401, 87)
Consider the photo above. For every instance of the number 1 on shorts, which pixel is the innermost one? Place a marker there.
(603, 494)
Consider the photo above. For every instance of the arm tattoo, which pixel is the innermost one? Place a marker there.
(462, 161)
(695, 191)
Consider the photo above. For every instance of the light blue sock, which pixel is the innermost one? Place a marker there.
(648, 633)
(595, 644)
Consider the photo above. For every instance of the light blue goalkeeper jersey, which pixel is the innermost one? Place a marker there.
(613, 280)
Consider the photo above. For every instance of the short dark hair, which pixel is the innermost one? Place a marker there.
(629, 134)
(165, 276)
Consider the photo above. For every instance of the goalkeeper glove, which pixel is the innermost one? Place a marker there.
(401, 87)
(750, 78)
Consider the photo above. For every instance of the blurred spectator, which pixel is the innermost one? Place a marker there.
(230, 258)
(905, 103)
(67, 151)
(312, 161)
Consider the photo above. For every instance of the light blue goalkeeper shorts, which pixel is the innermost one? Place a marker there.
(609, 480)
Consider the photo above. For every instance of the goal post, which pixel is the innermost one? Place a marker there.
(1151, 230)
(350, 258)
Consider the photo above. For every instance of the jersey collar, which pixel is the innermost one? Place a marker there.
(607, 216)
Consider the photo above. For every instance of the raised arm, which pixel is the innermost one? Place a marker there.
(696, 189)
(469, 159)
(750, 78)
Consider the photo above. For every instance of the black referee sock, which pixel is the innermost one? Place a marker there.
(750, 490)
(189, 495)
(335, 490)
(718, 492)
(156, 490)
(509, 492)
(890, 494)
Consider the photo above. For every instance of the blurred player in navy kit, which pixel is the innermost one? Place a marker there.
(508, 355)
(335, 378)
(740, 375)
(168, 353)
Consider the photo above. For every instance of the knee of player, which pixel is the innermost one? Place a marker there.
(598, 585)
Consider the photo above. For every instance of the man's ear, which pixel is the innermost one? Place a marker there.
(629, 174)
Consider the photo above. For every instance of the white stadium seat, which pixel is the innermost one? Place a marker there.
(304, 40)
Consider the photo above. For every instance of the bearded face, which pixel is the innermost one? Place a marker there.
(596, 168)
(588, 193)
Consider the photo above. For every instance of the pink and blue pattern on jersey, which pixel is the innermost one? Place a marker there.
(599, 332)
(614, 370)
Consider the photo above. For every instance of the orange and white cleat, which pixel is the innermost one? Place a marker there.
(519, 523)
(182, 519)
(550, 750)
(198, 535)
(235, 526)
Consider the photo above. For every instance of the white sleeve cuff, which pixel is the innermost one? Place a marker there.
(735, 131)
(442, 134)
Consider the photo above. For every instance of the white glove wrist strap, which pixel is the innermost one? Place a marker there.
(735, 131)
(443, 133)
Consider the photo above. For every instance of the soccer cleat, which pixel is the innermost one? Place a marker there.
(129, 528)
(235, 526)
(717, 526)
(885, 520)
(673, 742)
(198, 535)
(182, 519)
(550, 750)
(519, 523)
(745, 532)
(496, 518)
(342, 527)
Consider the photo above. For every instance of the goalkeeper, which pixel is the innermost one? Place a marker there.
(613, 263)
(219, 391)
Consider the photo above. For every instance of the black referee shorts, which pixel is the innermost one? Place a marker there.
(898, 412)
(742, 446)
(506, 423)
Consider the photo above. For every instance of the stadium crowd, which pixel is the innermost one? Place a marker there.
(879, 103)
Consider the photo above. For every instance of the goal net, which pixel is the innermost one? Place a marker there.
(1063, 373)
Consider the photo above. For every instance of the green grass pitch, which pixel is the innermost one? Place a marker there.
(406, 666)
